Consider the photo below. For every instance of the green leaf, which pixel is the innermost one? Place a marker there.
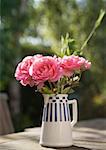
(67, 90)
(78, 52)
(68, 45)
(68, 52)
(46, 90)
(96, 25)
(101, 15)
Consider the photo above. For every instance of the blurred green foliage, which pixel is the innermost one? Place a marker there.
(48, 20)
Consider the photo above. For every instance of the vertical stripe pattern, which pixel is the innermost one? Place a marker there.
(64, 108)
(47, 110)
(68, 112)
(51, 112)
(60, 112)
(56, 110)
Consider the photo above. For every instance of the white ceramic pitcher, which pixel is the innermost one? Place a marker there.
(56, 130)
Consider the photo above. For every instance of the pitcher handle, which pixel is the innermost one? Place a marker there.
(74, 111)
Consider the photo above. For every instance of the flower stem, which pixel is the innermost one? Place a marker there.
(96, 25)
(51, 87)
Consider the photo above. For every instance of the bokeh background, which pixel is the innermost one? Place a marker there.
(30, 27)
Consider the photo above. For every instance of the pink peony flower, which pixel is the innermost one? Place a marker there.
(37, 56)
(37, 69)
(22, 71)
(84, 64)
(44, 69)
(87, 65)
(67, 64)
(72, 63)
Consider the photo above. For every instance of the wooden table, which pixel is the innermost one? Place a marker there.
(87, 135)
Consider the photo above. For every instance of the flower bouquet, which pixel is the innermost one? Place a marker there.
(51, 74)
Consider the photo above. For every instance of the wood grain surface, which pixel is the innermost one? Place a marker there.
(87, 135)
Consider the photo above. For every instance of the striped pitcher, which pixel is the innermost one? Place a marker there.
(56, 130)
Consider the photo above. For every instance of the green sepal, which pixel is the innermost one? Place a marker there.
(67, 90)
(46, 90)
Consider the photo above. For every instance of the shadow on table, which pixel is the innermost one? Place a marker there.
(5, 147)
(72, 148)
(36, 140)
(99, 124)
